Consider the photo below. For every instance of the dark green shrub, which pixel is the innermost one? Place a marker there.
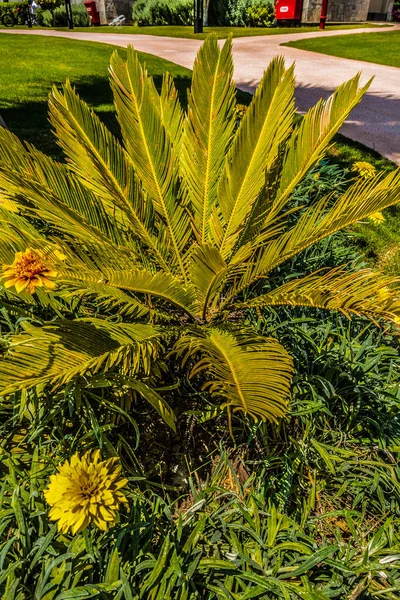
(18, 10)
(242, 13)
(236, 13)
(58, 17)
(163, 12)
(261, 15)
(50, 4)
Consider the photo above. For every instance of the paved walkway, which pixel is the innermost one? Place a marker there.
(375, 122)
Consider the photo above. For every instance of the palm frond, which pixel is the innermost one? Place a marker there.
(58, 353)
(310, 141)
(321, 220)
(16, 234)
(171, 111)
(250, 373)
(209, 128)
(158, 285)
(150, 149)
(206, 270)
(100, 162)
(47, 190)
(362, 292)
(265, 126)
(107, 298)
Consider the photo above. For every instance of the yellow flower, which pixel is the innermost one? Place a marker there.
(365, 169)
(85, 490)
(241, 110)
(377, 218)
(28, 271)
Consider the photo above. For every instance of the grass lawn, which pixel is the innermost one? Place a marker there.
(187, 32)
(39, 62)
(382, 48)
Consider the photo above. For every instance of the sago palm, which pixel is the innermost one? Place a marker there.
(162, 237)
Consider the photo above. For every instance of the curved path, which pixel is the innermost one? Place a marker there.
(375, 122)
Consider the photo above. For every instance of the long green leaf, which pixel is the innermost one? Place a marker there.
(57, 353)
(149, 147)
(208, 129)
(265, 126)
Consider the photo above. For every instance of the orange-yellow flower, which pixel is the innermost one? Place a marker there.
(85, 490)
(377, 218)
(28, 271)
(365, 169)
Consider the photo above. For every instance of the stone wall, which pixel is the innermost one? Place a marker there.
(338, 10)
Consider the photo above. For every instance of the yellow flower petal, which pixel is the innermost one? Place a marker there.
(21, 285)
(28, 272)
(85, 490)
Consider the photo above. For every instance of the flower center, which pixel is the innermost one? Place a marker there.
(30, 265)
(88, 489)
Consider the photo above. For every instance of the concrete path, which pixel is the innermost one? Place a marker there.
(375, 122)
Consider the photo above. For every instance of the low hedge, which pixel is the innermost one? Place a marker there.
(163, 12)
(58, 16)
(18, 10)
(50, 14)
(242, 13)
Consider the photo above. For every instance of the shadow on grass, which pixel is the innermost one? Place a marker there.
(29, 119)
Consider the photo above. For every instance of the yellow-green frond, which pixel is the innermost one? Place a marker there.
(363, 198)
(208, 129)
(247, 372)
(57, 353)
(364, 292)
(310, 141)
(157, 285)
(150, 149)
(100, 162)
(265, 126)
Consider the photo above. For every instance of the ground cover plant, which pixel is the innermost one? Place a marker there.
(222, 507)
(382, 48)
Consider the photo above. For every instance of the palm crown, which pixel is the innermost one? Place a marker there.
(171, 229)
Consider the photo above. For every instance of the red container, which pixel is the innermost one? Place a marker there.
(93, 12)
(288, 10)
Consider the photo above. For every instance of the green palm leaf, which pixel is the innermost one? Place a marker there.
(101, 163)
(208, 129)
(248, 372)
(207, 269)
(265, 126)
(171, 112)
(150, 149)
(16, 234)
(160, 285)
(319, 221)
(362, 292)
(60, 352)
(47, 190)
(310, 141)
